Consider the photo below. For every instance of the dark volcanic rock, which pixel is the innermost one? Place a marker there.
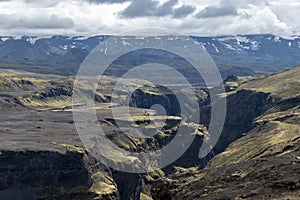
(45, 173)
(129, 185)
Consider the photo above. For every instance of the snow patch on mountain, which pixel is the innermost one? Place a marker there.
(242, 39)
(228, 46)
(64, 47)
(254, 45)
(124, 42)
(32, 40)
(277, 39)
(217, 50)
(5, 38)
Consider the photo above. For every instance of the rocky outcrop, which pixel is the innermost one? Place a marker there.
(129, 185)
(143, 98)
(60, 90)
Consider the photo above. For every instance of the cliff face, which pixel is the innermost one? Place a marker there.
(142, 98)
(242, 109)
(264, 163)
(49, 175)
(41, 155)
(243, 106)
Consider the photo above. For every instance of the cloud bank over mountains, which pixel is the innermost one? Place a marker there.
(192, 17)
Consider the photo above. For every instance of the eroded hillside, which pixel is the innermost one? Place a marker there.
(42, 154)
(265, 162)
(43, 157)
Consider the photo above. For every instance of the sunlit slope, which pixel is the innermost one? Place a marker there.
(283, 85)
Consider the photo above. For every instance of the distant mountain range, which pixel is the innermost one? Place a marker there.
(237, 55)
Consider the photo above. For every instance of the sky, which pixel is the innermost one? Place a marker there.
(112, 17)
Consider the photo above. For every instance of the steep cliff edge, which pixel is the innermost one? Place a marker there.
(41, 157)
(265, 162)
(51, 175)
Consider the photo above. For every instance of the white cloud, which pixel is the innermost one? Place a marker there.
(91, 17)
(154, 8)
(213, 11)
